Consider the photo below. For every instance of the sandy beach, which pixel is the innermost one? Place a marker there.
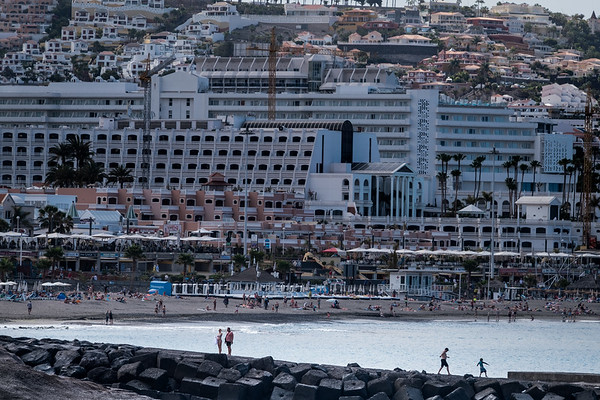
(136, 310)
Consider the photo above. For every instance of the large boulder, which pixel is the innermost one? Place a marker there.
(129, 372)
(208, 368)
(313, 377)
(382, 384)
(185, 370)
(102, 375)
(229, 374)
(231, 391)
(407, 392)
(147, 357)
(432, 388)
(264, 364)
(329, 389)
(510, 387)
(305, 392)
(36, 357)
(64, 358)
(355, 387)
(94, 359)
(458, 394)
(156, 377)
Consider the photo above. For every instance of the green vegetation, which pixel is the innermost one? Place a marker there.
(60, 18)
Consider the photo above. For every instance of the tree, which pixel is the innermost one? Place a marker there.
(19, 217)
(442, 178)
(487, 198)
(55, 255)
(46, 217)
(135, 253)
(534, 164)
(284, 267)
(456, 175)
(90, 173)
(43, 264)
(470, 265)
(564, 162)
(523, 168)
(79, 149)
(7, 266)
(444, 159)
(4, 226)
(477, 165)
(239, 260)
(120, 175)
(61, 153)
(185, 259)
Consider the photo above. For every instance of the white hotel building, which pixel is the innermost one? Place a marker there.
(411, 126)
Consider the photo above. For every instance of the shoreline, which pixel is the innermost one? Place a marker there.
(194, 309)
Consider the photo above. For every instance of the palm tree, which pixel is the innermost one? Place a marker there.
(62, 175)
(89, 173)
(442, 177)
(564, 162)
(477, 165)
(239, 260)
(6, 267)
(136, 253)
(523, 168)
(43, 264)
(80, 150)
(4, 226)
(470, 265)
(121, 175)
(534, 164)
(444, 159)
(63, 223)
(511, 184)
(19, 217)
(487, 197)
(55, 254)
(571, 170)
(61, 153)
(46, 217)
(456, 175)
(185, 259)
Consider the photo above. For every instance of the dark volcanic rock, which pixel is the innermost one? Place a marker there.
(129, 372)
(231, 391)
(264, 364)
(313, 377)
(20, 382)
(65, 358)
(329, 389)
(305, 392)
(536, 391)
(407, 392)
(457, 394)
(36, 357)
(379, 396)
(510, 387)
(102, 375)
(93, 359)
(229, 374)
(355, 387)
(148, 358)
(378, 385)
(281, 394)
(45, 368)
(565, 390)
(432, 388)
(285, 381)
(156, 377)
(299, 370)
(73, 371)
(254, 388)
(185, 370)
(208, 368)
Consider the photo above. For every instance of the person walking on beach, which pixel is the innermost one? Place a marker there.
(215, 304)
(444, 357)
(29, 307)
(106, 318)
(229, 340)
(482, 369)
(110, 317)
(219, 340)
(164, 310)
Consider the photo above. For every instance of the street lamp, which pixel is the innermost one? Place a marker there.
(283, 242)
(20, 240)
(246, 133)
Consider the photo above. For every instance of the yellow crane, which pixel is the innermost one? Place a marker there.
(272, 65)
(591, 111)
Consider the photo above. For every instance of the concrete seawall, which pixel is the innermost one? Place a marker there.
(179, 375)
(570, 377)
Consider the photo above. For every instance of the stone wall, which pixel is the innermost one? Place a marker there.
(178, 375)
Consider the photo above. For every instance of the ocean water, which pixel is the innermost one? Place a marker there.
(520, 346)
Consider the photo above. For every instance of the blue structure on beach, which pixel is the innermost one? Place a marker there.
(161, 287)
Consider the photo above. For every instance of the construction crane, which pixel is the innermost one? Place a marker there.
(591, 111)
(145, 80)
(272, 64)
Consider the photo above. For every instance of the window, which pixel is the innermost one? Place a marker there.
(207, 152)
(178, 152)
(101, 137)
(131, 151)
(194, 152)
(162, 152)
(160, 166)
(222, 152)
(163, 138)
(176, 166)
(115, 151)
(282, 139)
(192, 166)
(116, 138)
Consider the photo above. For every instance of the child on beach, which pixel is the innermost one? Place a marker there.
(482, 369)
(444, 357)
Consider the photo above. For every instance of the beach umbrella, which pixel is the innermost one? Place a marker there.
(170, 238)
(357, 250)
(331, 250)
(506, 254)
(47, 284)
(153, 291)
(202, 231)
(11, 234)
(103, 235)
(424, 252)
(53, 235)
(404, 251)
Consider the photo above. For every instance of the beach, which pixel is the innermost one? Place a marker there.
(201, 309)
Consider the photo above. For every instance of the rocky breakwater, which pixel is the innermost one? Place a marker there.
(177, 375)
